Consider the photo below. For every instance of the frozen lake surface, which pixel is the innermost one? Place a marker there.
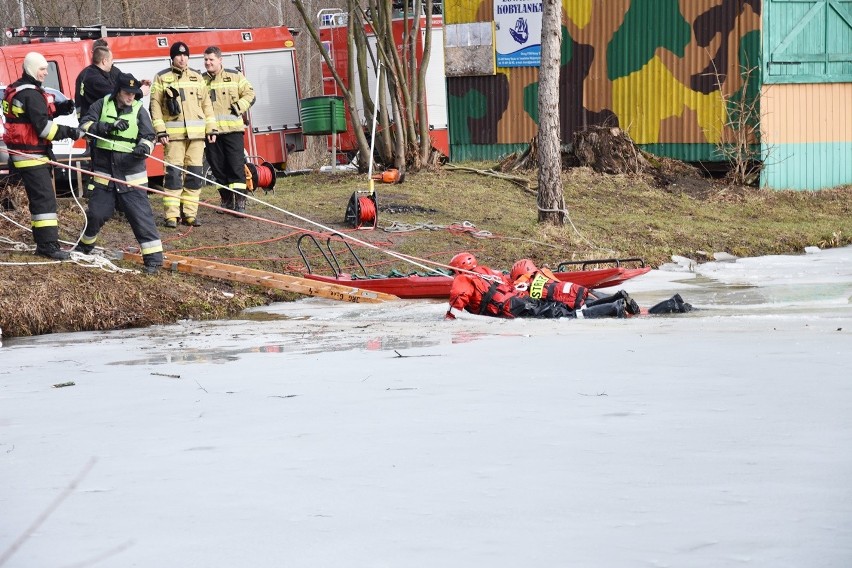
(325, 434)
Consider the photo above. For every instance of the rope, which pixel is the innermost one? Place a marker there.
(366, 210)
(77, 201)
(86, 260)
(571, 222)
(462, 227)
(99, 261)
(416, 261)
(265, 176)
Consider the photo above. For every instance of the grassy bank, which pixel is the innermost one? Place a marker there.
(432, 215)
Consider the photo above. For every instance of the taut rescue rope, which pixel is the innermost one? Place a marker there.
(416, 261)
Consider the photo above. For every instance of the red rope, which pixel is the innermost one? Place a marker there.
(264, 176)
(367, 211)
(368, 208)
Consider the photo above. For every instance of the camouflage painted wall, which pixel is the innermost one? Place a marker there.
(660, 69)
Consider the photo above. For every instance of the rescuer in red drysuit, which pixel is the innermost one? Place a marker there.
(483, 291)
(541, 283)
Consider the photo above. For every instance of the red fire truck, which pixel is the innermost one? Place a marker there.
(333, 33)
(266, 56)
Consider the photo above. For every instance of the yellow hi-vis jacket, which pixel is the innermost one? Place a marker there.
(195, 119)
(227, 88)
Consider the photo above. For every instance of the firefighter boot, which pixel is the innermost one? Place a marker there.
(614, 309)
(227, 200)
(240, 204)
(629, 303)
(674, 305)
(51, 250)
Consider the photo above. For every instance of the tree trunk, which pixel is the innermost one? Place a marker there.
(423, 115)
(127, 14)
(403, 132)
(551, 202)
(386, 139)
(363, 144)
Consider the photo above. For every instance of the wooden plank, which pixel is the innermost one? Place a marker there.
(222, 271)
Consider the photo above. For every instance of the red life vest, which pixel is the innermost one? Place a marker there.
(543, 285)
(482, 296)
(20, 133)
(497, 300)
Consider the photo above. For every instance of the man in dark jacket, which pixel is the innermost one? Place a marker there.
(95, 81)
(29, 112)
(123, 136)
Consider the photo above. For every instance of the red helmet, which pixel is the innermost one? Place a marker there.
(523, 266)
(463, 260)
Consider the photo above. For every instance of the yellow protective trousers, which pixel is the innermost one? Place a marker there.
(183, 190)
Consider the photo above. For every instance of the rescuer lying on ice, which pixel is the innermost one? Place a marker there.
(483, 291)
(542, 284)
(525, 295)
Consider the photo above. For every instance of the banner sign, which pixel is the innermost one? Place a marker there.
(518, 32)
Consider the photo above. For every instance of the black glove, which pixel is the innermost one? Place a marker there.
(140, 151)
(72, 132)
(119, 125)
(161, 137)
(65, 107)
(100, 128)
(235, 109)
(173, 106)
(172, 103)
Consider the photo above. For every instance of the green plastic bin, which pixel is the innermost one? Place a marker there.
(323, 115)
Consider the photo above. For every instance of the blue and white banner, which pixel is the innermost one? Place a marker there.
(518, 32)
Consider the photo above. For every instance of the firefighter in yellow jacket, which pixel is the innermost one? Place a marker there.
(231, 95)
(182, 115)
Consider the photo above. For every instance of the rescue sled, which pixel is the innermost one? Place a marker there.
(418, 286)
(623, 275)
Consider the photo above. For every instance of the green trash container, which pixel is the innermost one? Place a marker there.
(323, 115)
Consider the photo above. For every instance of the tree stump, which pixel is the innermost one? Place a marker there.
(608, 150)
(526, 160)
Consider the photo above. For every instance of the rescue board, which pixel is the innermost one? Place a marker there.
(222, 271)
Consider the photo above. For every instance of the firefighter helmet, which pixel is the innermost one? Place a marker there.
(522, 267)
(464, 261)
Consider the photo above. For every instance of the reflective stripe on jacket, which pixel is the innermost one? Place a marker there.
(20, 108)
(544, 285)
(227, 88)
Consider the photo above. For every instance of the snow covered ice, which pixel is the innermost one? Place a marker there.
(326, 434)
